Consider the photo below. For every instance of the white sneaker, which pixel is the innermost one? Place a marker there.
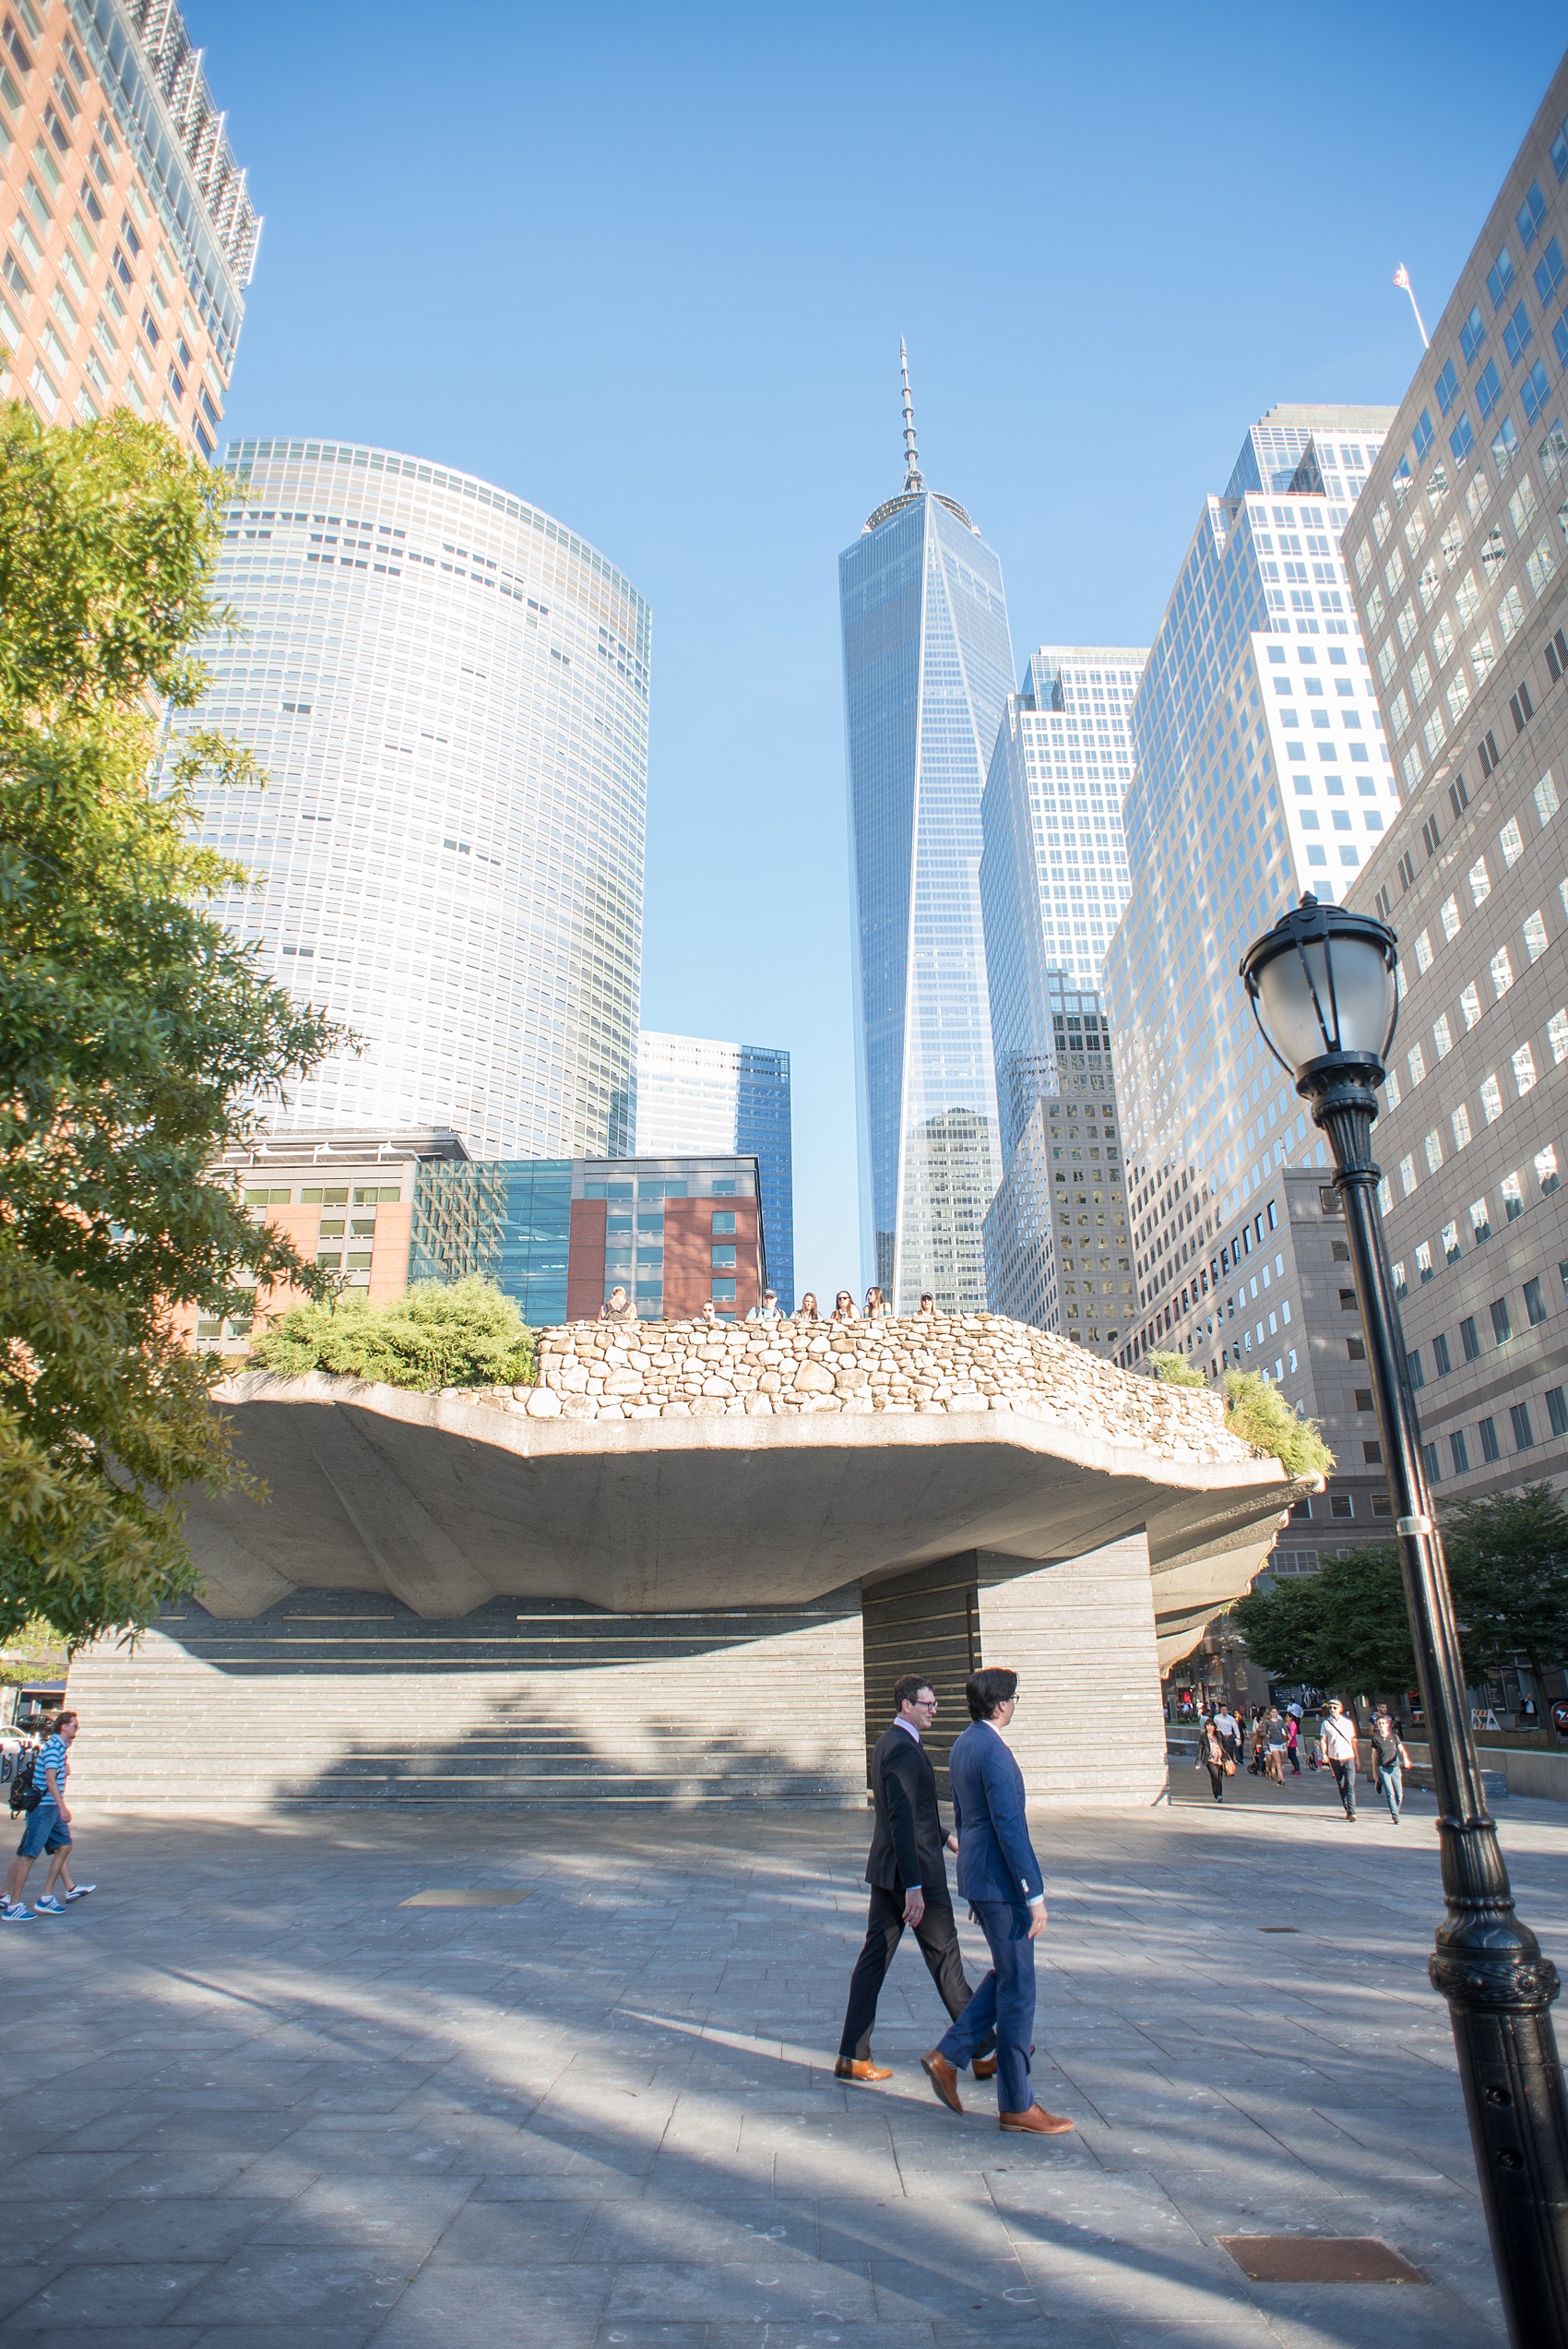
(80, 1892)
(47, 1906)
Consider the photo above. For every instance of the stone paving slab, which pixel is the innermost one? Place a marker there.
(263, 2107)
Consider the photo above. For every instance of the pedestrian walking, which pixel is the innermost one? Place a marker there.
(1001, 1879)
(1213, 1757)
(907, 1875)
(844, 1306)
(806, 1310)
(1339, 1752)
(1231, 1731)
(1293, 1739)
(1275, 1743)
(618, 1306)
(46, 1830)
(1391, 1761)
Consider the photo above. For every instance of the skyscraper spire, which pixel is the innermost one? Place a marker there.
(913, 481)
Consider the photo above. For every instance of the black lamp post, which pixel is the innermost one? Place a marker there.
(1322, 985)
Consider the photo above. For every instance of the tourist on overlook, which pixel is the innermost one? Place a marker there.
(1339, 1751)
(806, 1310)
(617, 1306)
(876, 1306)
(908, 1885)
(1390, 1761)
(1000, 1877)
(710, 1315)
(844, 1306)
(768, 1309)
(928, 1306)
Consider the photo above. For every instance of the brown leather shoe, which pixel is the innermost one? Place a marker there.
(1036, 2122)
(943, 2080)
(984, 2066)
(850, 2068)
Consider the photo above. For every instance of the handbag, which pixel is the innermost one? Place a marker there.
(1230, 1767)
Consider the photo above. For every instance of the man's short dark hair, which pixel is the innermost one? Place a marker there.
(987, 1689)
(904, 1691)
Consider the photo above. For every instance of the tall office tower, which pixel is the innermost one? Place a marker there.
(1262, 772)
(449, 691)
(1056, 1246)
(127, 238)
(928, 666)
(1053, 879)
(696, 1097)
(1457, 550)
(1053, 815)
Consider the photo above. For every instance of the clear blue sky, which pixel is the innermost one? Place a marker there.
(649, 266)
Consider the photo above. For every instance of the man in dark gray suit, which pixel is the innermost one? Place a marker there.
(908, 1876)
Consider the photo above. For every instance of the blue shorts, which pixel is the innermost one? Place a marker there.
(45, 1832)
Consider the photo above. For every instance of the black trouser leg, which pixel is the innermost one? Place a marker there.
(937, 1934)
(884, 1930)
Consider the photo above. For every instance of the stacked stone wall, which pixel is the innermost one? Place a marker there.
(961, 1363)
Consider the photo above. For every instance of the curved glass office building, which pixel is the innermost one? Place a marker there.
(928, 667)
(449, 693)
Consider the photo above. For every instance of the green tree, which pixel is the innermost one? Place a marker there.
(1508, 1558)
(1345, 1628)
(136, 1033)
(469, 1334)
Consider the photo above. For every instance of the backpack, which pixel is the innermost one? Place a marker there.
(25, 1796)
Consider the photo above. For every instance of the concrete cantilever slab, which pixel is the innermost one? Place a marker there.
(654, 1470)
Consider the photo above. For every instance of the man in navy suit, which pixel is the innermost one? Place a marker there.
(1000, 1877)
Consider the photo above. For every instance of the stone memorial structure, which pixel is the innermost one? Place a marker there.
(688, 1564)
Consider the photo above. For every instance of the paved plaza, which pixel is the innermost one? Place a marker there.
(253, 2102)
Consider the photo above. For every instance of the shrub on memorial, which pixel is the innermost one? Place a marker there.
(468, 1334)
(137, 1034)
(1175, 1370)
(1260, 1414)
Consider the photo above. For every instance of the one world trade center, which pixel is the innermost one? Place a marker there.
(928, 666)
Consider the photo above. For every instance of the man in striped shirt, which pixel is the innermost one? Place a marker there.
(47, 1829)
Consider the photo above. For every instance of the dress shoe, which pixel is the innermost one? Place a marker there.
(943, 2080)
(847, 2067)
(984, 2066)
(1036, 2122)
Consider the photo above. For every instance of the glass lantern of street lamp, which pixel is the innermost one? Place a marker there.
(1323, 991)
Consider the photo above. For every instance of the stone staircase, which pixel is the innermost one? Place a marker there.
(341, 1697)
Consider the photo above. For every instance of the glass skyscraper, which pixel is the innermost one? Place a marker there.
(449, 691)
(928, 667)
(1053, 879)
(695, 1096)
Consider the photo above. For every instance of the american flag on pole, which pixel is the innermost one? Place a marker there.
(1402, 276)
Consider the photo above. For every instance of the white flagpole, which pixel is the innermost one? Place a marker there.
(1402, 278)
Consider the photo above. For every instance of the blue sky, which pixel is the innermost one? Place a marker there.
(649, 269)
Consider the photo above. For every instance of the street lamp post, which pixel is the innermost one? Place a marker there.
(1323, 989)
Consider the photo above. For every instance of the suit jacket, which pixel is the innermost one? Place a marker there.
(906, 1845)
(996, 1860)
